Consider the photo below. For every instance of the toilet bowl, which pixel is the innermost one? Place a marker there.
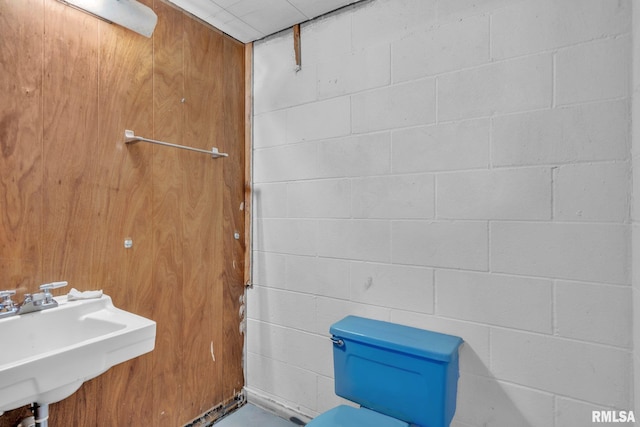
(399, 375)
(348, 416)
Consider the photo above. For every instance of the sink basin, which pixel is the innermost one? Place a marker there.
(47, 355)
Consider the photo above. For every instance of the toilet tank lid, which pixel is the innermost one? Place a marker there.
(419, 342)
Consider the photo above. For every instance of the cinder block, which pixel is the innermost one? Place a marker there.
(563, 135)
(571, 412)
(635, 337)
(319, 199)
(636, 287)
(318, 276)
(325, 38)
(270, 129)
(484, 401)
(361, 155)
(535, 26)
(403, 105)
(285, 163)
(440, 244)
(283, 344)
(504, 87)
(450, 146)
(594, 71)
(495, 194)
(403, 196)
(276, 84)
(319, 120)
(450, 10)
(590, 252)
(268, 269)
(395, 286)
(288, 236)
(382, 21)
(281, 380)
(592, 192)
(510, 301)
(308, 351)
(367, 240)
(635, 190)
(573, 369)
(330, 310)
(270, 200)
(280, 307)
(449, 47)
(596, 313)
(354, 72)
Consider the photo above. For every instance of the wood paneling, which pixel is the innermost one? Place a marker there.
(204, 302)
(248, 137)
(234, 243)
(168, 284)
(21, 143)
(71, 192)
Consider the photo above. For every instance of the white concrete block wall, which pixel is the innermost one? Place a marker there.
(635, 205)
(461, 166)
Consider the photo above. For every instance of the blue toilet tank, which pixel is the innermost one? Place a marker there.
(407, 373)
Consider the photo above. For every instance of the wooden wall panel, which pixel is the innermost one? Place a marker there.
(70, 194)
(70, 137)
(71, 191)
(126, 85)
(248, 138)
(21, 144)
(234, 213)
(168, 280)
(203, 303)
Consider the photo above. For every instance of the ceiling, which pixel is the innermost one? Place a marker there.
(249, 20)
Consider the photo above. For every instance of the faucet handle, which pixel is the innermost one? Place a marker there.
(7, 294)
(47, 287)
(6, 299)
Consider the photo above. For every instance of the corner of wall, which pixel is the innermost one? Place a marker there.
(635, 201)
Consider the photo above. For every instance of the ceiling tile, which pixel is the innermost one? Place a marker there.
(249, 20)
(314, 8)
(228, 23)
(199, 8)
(267, 16)
(225, 3)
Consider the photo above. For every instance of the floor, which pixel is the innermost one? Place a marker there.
(252, 416)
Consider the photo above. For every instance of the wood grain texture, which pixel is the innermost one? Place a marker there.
(71, 199)
(234, 248)
(203, 222)
(125, 84)
(248, 138)
(71, 191)
(21, 144)
(168, 278)
(296, 45)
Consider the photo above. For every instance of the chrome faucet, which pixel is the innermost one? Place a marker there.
(40, 301)
(7, 306)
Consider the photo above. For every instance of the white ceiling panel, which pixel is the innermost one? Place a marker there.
(267, 16)
(314, 8)
(249, 20)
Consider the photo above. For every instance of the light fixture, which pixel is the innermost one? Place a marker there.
(127, 13)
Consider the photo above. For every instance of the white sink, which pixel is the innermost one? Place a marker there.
(46, 356)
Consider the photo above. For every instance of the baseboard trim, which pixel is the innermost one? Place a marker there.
(217, 413)
(280, 409)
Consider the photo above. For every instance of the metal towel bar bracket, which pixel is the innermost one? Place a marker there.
(131, 138)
